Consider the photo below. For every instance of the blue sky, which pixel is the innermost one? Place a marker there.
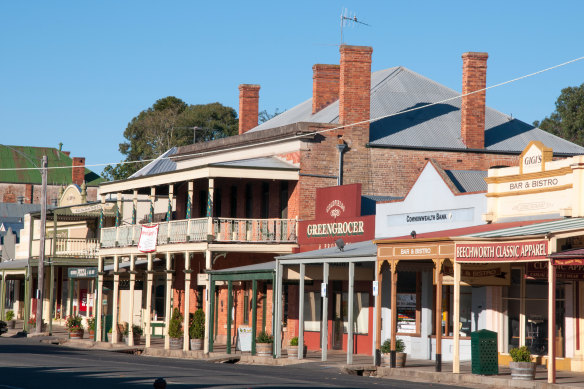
(78, 72)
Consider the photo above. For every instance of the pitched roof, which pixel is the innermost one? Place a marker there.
(26, 157)
(14, 212)
(351, 250)
(534, 229)
(398, 89)
(162, 164)
(468, 180)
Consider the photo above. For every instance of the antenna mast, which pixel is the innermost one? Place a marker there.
(347, 19)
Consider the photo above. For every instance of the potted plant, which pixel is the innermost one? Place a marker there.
(136, 334)
(10, 319)
(293, 348)
(74, 326)
(32, 324)
(91, 326)
(400, 355)
(521, 367)
(197, 330)
(175, 331)
(264, 343)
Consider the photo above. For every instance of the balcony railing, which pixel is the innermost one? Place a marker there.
(67, 247)
(195, 230)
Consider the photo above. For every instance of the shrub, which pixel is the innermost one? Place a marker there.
(520, 354)
(294, 341)
(400, 346)
(197, 328)
(74, 323)
(264, 337)
(136, 329)
(9, 315)
(91, 323)
(175, 326)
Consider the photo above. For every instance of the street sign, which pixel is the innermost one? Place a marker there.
(82, 272)
(323, 289)
(375, 288)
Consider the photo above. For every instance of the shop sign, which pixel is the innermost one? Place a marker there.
(437, 217)
(502, 252)
(416, 251)
(82, 272)
(537, 183)
(539, 271)
(317, 234)
(479, 274)
(148, 239)
(534, 157)
(338, 202)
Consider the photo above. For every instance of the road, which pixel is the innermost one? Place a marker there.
(28, 364)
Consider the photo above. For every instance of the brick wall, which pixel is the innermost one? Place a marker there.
(9, 193)
(325, 86)
(78, 170)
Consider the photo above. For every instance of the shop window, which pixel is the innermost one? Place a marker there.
(312, 311)
(465, 310)
(158, 298)
(360, 313)
(408, 302)
(245, 306)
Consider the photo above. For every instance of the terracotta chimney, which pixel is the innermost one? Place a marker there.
(249, 96)
(355, 92)
(325, 85)
(474, 77)
(78, 170)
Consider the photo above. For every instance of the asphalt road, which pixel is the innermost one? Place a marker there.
(28, 364)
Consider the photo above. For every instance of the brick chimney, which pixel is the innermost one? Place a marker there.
(355, 92)
(78, 170)
(249, 96)
(474, 77)
(325, 85)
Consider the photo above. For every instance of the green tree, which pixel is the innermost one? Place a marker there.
(170, 122)
(567, 121)
(264, 116)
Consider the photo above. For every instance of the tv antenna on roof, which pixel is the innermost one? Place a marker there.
(349, 19)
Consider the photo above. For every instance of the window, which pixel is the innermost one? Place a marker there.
(233, 201)
(284, 199)
(312, 311)
(265, 200)
(408, 302)
(360, 313)
(248, 201)
(246, 305)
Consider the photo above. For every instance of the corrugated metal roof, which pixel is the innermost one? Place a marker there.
(361, 249)
(162, 164)
(14, 212)
(14, 265)
(569, 254)
(398, 89)
(534, 229)
(265, 162)
(256, 267)
(30, 157)
(381, 198)
(468, 180)
(16, 227)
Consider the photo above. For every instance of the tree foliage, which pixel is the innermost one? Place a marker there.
(567, 121)
(170, 122)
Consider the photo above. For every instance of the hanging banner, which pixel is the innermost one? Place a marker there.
(148, 239)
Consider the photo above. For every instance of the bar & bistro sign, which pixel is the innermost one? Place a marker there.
(504, 252)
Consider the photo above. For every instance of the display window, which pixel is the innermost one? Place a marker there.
(408, 303)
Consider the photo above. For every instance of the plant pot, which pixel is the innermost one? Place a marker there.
(522, 370)
(196, 344)
(76, 334)
(386, 359)
(176, 343)
(11, 324)
(137, 339)
(293, 352)
(400, 359)
(91, 333)
(264, 349)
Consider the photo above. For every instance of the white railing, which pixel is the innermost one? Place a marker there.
(195, 230)
(254, 230)
(67, 247)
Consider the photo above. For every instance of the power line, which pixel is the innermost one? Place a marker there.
(292, 137)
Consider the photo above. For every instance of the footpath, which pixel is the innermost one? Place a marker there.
(416, 370)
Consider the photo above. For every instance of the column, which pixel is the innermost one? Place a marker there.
(374, 342)
(209, 317)
(187, 301)
(324, 325)
(393, 270)
(51, 296)
(456, 321)
(150, 278)
(209, 307)
(119, 207)
(190, 193)
(152, 201)
(301, 311)
(551, 322)
(116, 299)
(229, 308)
(254, 315)
(277, 309)
(351, 312)
(99, 324)
(438, 264)
(3, 297)
(210, 195)
(170, 196)
(135, 207)
(167, 310)
(131, 310)
(379, 266)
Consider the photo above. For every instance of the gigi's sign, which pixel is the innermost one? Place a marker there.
(503, 252)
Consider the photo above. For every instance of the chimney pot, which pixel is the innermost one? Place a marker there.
(474, 77)
(249, 96)
(325, 85)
